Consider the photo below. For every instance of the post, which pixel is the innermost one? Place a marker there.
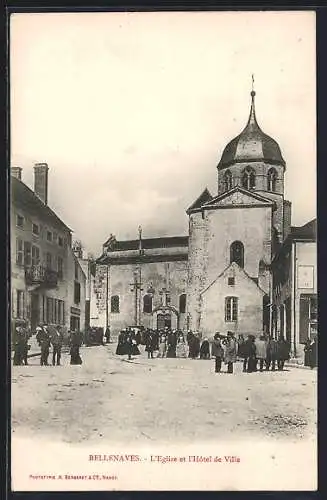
(107, 299)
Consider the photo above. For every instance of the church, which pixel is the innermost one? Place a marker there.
(218, 278)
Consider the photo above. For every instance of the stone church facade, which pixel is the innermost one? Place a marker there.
(218, 277)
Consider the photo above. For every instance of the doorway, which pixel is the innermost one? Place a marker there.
(163, 321)
(35, 311)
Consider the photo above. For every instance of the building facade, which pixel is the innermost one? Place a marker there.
(142, 282)
(295, 301)
(47, 282)
(218, 278)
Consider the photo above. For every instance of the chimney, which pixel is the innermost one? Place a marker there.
(41, 181)
(16, 172)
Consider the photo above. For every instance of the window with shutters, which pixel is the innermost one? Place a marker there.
(27, 253)
(77, 292)
(182, 303)
(20, 221)
(49, 260)
(231, 309)
(147, 303)
(76, 270)
(20, 304)
(35, 229)
(35, 255)
(49, 310)
(19, 252)
(60, 267)
(115, 304)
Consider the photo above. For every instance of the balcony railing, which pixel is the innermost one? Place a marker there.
(40, 275)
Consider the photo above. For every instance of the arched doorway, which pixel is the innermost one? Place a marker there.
(163, 321)
(165, 317)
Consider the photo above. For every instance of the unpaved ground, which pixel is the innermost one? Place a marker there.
(111, 399)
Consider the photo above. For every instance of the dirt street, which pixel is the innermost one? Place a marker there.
(110, 399)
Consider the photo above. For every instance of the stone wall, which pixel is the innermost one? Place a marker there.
(209, 248)
(153, 276)
(250, 305)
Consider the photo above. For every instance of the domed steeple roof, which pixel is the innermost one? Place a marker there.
(251, 145)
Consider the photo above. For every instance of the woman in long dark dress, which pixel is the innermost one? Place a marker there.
(205, 349)
(131, 345)
(310, 354)
(121, 349)
(75, 344)
(171, 345)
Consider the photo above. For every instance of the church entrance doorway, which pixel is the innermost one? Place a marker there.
(163, 321)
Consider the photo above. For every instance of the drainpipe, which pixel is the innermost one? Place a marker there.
(294, 298)
(271, 305)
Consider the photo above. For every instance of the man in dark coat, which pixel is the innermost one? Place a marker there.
(230, 352)
(43, 339)
(283, 352)
(18, 341)
(249, 354)
(272, 353)
(150, 343)
(56, 339)
(217, 351)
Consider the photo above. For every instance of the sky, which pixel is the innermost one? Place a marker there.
(132, 111)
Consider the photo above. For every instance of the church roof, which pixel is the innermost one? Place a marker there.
(149, 243)
(238, 189)
(238, 196)
(251, 145)
(203, 198)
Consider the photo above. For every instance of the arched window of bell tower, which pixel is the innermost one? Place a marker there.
(271, 179)
(228, 180)
(237, 253)
(248, 178)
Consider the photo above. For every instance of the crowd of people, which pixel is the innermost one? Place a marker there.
(257, 353)
(48, 337)
(261, 353)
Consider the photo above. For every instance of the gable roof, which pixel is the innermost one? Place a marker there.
(238, 189)
(22, 195)
(204, 197)
(238, 269)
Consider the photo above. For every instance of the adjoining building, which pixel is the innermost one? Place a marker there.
(294, 271)
(218, 278)
(47, 282)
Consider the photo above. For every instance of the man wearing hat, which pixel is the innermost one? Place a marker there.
(217, 351)
(43, 339)
(231, 352)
